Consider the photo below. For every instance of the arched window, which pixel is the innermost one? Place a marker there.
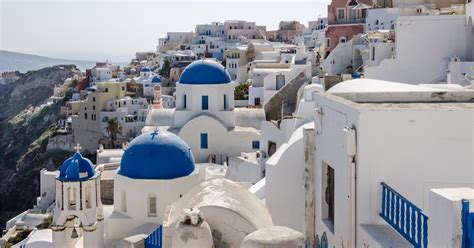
(123, 201)
(71, 198)
(89, 196)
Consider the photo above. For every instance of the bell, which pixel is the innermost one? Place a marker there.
(74, 234)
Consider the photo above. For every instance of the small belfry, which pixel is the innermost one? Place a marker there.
(78, 208)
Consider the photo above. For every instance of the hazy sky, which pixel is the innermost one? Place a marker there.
(115, 30)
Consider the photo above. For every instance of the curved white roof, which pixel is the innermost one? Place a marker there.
(225, 194)
(40, 239)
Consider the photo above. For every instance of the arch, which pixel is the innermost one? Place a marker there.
(71, 198)
(88, 196)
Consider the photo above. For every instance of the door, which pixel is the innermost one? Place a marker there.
(257, 101)
(280, 81)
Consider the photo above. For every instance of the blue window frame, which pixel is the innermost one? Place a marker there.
(184, 101)
(205, 103)
(225, 101)
(204, 143)
(255, 144)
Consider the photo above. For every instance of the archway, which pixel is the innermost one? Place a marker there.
(357, 60)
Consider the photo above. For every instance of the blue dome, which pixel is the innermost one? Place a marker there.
(146, 69)
(157, 155)
(156, 79)
(76, 168)
(205, 71)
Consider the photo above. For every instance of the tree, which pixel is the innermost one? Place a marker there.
(113, 129)
(165, 70)
(242, 91)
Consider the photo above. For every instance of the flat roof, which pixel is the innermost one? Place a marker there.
(379, 91)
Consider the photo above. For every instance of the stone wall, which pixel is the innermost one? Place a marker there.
(285, 100)
(107, 191)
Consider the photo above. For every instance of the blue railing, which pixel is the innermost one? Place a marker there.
(154, 240)
(409, 220)
(467, 226)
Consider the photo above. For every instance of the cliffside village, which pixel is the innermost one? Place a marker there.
(353, 130)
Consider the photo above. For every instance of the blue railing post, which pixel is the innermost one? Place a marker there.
(406, 218)
(466, 228)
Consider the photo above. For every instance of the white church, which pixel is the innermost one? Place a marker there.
(160, 194)
(206, 117)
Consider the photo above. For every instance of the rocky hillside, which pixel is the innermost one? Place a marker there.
(24, 131)
(31, 89)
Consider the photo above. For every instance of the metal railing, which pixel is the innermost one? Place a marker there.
(347, 21)
(154, 240)
(406, 218)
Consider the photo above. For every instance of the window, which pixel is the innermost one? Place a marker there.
(204, 143)
(342, 39)
(280, 81)
(184, 101)
(93, 99)
(271, 148)
(255, 144)
(85, 116)
(105, 119)
(124, 201)
(257, 101)
(88, 196)
(328, 195)
(341, 14)
(123, 87)
(71, 198)
(205, 103)
(225, 101)
(328, 42)
(93, 107)
(373, 53)
(152, 211)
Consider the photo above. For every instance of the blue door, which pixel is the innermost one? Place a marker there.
(205, 102)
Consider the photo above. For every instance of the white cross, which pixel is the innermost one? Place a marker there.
(78, 147)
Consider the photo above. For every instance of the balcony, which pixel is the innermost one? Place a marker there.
(406, 218)
(349, 21)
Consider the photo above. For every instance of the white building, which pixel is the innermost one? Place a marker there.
(381, 19)
(205, 116)
(156, 169)
(369, 132)
(78, 214)
(130, 113)
(149, 80)
(424, 46)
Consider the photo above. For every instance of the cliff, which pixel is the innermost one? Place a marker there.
(26, 123)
